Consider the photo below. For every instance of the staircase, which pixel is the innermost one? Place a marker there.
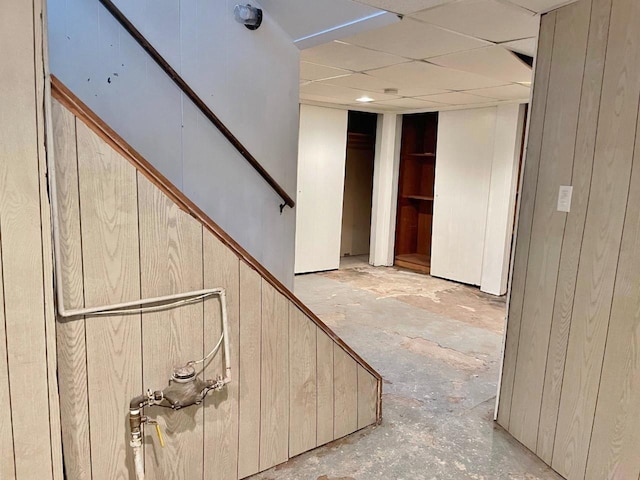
(127, 233)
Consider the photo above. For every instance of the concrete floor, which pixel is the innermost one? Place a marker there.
(437, 345)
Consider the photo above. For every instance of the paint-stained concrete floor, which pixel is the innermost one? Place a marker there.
(437, 345)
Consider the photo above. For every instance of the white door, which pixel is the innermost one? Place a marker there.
(463, 174)
(321, 160)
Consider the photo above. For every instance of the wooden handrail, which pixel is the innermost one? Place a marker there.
(67, 98)
(193, 96)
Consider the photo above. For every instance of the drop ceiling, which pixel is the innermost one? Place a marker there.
(443, 54)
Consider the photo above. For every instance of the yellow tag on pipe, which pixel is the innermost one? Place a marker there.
(160, 437)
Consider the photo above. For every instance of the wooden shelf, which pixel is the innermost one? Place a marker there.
(430, 155)
(414, 261)
(423, 198)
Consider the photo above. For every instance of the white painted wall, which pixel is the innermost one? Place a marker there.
(322, 152)
(502, 198)
(476, 181)
(249, 79)
(463, 175)
(385, 189)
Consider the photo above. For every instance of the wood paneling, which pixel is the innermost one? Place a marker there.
(345, 385)
(613, 452)
(574, 229)
(221, 269)
(367, 387)
(325, 432)
(302, 383)
(72, 354)
(110, 257)
(574, 373)
(123, 237)
(274, 426)
(525, 215)
(30, 415)
(170, 263)
(556, 162)
(249, 375)
(603, 231)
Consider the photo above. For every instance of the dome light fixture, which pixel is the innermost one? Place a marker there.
(249, 16)
(364, 99)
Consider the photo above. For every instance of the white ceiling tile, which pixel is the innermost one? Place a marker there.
(541, 5)
(403, 6)
(313, 71)
(456, 98)
(349, 57)
(334, 91)
(374, 84)
(412, 103)
(300, 18)
(494, 62)
(416, 75)
(526, 46)
(413, 39)
(487, 19)
(505, 92)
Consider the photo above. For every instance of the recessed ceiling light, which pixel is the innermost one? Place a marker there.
(364, 99)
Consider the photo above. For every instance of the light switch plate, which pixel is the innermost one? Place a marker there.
(564, 198)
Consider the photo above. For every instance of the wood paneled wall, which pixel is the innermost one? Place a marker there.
(571, 380)
(295, 386)
(30, 444)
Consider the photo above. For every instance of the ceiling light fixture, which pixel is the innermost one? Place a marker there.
(364, 99)
(250, 17)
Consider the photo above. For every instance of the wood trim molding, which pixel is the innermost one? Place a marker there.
(61, 93)
(197, 101)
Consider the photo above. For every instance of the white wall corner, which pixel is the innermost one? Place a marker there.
(385, 189)
(502, 198)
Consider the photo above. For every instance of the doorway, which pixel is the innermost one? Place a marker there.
(358, 184)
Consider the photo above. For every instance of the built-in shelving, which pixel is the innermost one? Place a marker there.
(416, 191)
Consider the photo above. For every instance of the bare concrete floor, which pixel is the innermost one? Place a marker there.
(437, 345)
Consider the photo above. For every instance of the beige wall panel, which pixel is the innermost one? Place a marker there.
(221, 269)
(7, 466)
(21, 243)
(109, 222)
(367, 393)
(274, 419)
(525, 218)
(345, 384)
(600, 249)
(615, 441)
(574, 229)
(556, 162)
(250, 339)
(302, 382)
(72, 354)
(324, 379)
(170, 263)
(43, 99)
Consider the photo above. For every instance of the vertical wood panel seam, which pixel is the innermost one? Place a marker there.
(139, 232)
(524, 287)
(564, 228)
(595, 149)
(615, 281)
(317, 390)
(204, 347)
(84, 300)
(6, 339)
(260, 367)
(37, 51)
(237, 374)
